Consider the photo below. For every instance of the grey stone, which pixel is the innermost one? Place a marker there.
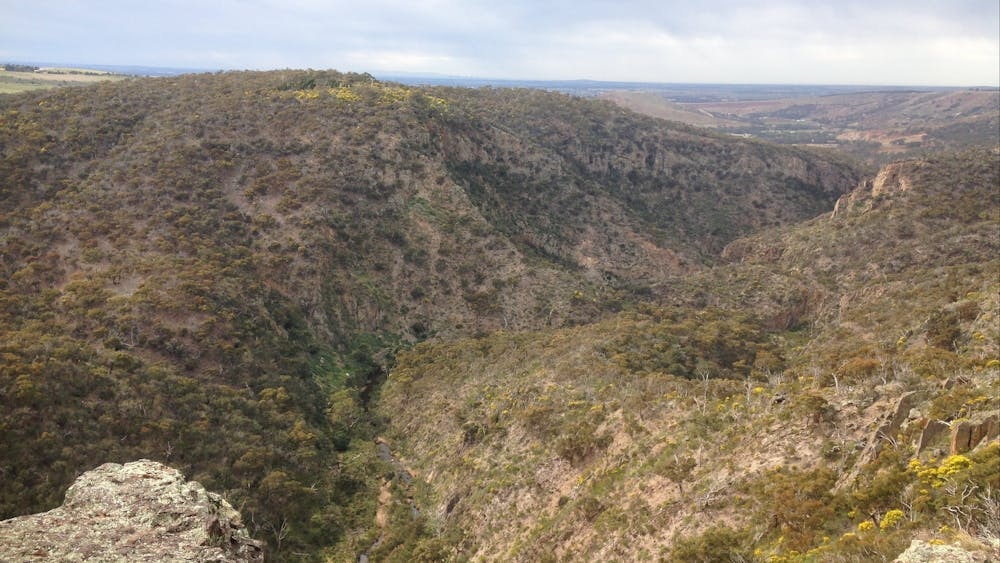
(139, 511)
(923, 552)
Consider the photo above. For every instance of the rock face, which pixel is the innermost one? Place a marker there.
(885, 433)
(967, 434)
(891, 179)
(923, 552)
(140, 511)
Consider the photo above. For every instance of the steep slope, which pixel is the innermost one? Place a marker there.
(829, 394)
(299, 160)
(686, 185)
(215, 270)
(901, 261)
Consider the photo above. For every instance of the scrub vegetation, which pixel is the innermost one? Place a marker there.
(427, 324)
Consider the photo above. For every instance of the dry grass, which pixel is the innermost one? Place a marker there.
(14, 82)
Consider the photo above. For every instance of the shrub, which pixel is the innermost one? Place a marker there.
(720, 543)
(943, 330)
(858, 368)
(891, 519)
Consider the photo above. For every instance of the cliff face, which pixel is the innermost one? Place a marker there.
(140, 511)
(892, 179)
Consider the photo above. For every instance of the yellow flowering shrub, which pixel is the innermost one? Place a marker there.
(891, 519)
(936, 476)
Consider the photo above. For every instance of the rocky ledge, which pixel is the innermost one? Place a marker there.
(140, 511)
(924, 552)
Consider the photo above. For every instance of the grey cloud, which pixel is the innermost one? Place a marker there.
(642, 39)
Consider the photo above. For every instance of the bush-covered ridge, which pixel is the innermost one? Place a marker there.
(216, 271)
(798, 404)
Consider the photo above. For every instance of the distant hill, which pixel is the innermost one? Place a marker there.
(877, 126)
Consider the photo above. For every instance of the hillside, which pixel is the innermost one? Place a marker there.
(875, 126)
(216, 271)
(816, 398)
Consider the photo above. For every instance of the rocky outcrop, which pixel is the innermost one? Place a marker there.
(967, 434)
(891, 179)
(924, 552)
(890, 424)
(139, 511)
(931, 433)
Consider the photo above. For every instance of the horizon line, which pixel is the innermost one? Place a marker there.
(401, 74)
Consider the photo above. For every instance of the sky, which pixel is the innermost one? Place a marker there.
(855, 42)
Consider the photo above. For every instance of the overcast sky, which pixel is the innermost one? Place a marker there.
(887, 42)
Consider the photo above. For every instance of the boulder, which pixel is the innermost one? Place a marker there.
(139, 511)
(924, 552)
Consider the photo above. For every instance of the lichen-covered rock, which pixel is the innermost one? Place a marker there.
(139, 511)
(923, 552)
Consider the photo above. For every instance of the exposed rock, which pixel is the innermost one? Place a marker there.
(986, 430)
(923, 552)
(891, 179)
(932, 430)
(886, 432)
(140, 511)
(892, 424)
(967, 434)
(953, 381)
(961, 436)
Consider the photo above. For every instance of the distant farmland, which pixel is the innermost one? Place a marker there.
(13, 81)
